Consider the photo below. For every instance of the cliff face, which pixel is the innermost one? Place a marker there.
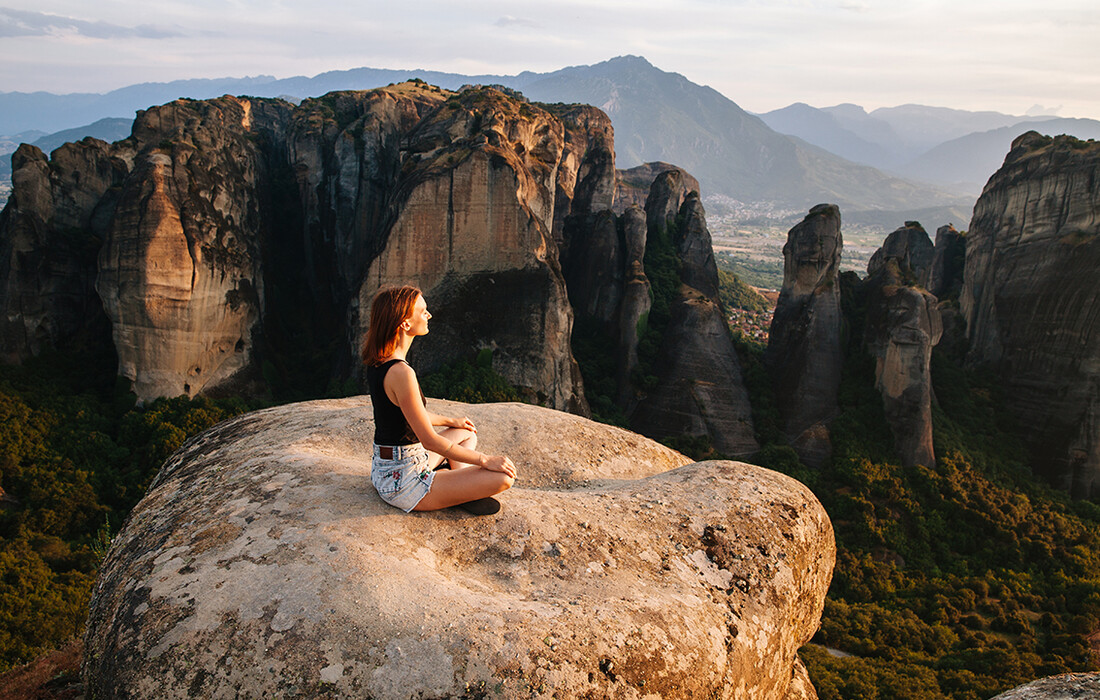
(228, 232)
(262, 558)
(902, 326)
(804, 351)
(1030, 298)
(180, 272)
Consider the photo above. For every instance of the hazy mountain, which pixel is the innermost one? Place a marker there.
(925, 127)
(833, 132)
(110, 130)
(969, 160)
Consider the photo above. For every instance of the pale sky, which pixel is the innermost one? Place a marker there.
(1003, 55)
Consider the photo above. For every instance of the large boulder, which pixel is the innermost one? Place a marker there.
(1068, 686)
(261, 561)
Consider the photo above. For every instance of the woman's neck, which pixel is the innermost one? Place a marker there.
(402, 349)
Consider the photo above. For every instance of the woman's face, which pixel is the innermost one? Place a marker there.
(418, 321)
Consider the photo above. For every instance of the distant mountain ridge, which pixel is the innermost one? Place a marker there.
(951, 148)
(658, 116)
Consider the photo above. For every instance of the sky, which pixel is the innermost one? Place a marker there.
(1037, 57)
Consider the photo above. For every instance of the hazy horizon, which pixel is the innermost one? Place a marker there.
(1010, 57)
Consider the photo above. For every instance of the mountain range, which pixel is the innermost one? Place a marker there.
(951, 148)
(793, 157)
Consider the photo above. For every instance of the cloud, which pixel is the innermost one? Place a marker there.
(23, 23)
(510, 21)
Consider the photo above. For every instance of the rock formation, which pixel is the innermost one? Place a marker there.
(1068, 686)
(473, 228)
(632, 185)
(699, 390)
(261, 558)
(180, 272)
(229, 232)
(911, 247)
(902, 326)
(1031, 295)
(52, 228)
(804, 351)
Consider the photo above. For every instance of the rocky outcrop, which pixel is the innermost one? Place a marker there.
(804, 351)
(1068, 686)
(632, 185)
(52, 228)
(261, 558)
(699, 391)
(911, 247)
(945, 276)
(902, 326)
(180, 272)
(1030, 297)
(228, 233)
(473, 229)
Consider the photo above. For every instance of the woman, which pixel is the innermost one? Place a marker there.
(407, 449)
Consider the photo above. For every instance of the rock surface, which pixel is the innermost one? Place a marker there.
(1030, 299)
(632, 185)
(804, 351)
(1068, 686)
(53, 226)
(180, 272)
(261, 558)
(911, 247)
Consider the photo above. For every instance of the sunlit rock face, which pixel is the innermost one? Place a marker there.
(262, 558)
(1030, 299)
(804, 351)
(225, 233)
(180, 272)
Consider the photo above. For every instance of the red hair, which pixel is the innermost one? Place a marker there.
(390, 307)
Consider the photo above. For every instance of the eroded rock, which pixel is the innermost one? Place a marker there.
(262, 559)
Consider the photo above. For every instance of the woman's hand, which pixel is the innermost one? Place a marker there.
(500, 463)
(464, 423)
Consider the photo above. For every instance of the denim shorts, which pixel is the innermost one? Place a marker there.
(405, 479)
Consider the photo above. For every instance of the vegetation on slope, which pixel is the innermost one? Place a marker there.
(958, 581)
(75, 456)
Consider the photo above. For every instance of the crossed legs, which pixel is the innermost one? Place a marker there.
(463, 482)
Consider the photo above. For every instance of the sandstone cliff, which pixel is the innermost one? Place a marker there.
(804, 351)
(1030, 298)
(180, 272)
(901, 327)
(261, 558)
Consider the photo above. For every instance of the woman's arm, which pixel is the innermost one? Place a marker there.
(404, 390)
(464, 422)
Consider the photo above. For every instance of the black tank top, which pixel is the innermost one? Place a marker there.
(390, 426)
